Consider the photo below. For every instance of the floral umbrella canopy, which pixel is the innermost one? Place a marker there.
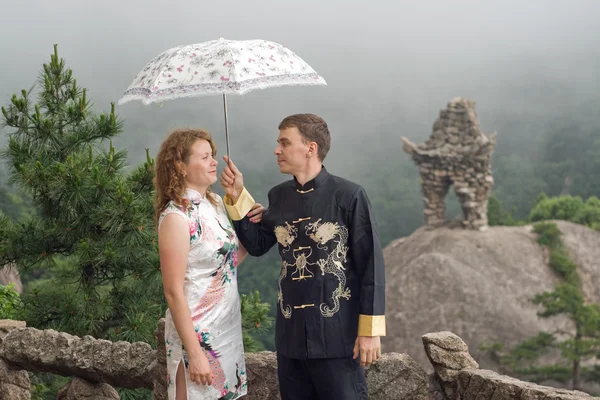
(219, 67)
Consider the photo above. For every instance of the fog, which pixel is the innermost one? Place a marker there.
(390, 67)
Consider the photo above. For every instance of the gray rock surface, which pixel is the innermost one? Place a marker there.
(121, 364)
(485, 384)
(80, 389)
(478, 285)
(14, 384)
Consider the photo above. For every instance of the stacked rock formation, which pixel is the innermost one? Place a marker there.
(457, 153)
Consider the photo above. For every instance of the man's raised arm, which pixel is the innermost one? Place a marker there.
(255, 237)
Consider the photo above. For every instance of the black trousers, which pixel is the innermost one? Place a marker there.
(321, 379)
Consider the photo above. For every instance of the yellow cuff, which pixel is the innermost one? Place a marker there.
(371, 325)
(239, 210)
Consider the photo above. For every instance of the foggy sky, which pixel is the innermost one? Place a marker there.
(390, 65)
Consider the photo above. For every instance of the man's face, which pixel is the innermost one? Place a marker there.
(291, 151)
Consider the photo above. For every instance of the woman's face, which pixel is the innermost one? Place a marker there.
(201, 167)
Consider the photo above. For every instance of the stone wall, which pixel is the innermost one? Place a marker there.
(98, 365)
(123, 364)
(14, 383)
(461, 378)
(457, 153)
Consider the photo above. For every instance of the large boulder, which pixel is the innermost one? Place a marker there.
(478, 285)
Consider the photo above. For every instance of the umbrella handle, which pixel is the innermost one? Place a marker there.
(226, 124)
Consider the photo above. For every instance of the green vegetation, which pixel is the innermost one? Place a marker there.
(86, 246)
(566, 299)
(11, 306)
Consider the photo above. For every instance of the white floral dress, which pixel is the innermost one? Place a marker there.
(211, 291)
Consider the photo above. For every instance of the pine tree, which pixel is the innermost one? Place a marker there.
(92, 232)
(93, 226)
(566, 299)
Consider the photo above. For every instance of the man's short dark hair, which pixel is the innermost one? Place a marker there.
(312, 128)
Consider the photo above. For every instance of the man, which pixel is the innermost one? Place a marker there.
(331, 300)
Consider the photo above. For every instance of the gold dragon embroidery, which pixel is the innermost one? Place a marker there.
(322, 233)
(285, 310)
(286, 235)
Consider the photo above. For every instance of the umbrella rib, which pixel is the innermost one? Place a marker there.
(233, 63)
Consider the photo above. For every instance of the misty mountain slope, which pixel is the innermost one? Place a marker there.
(477, 285)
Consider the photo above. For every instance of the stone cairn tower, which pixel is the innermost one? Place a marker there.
(457, 153)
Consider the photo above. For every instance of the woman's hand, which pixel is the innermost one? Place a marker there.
(200, 372)
(256, 212)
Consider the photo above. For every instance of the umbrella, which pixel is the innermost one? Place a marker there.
(219, 67)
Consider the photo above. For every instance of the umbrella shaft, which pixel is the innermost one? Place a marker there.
(226, 123)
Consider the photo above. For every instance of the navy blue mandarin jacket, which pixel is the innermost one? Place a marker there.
(332, 280)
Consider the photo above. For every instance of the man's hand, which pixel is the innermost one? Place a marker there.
(232, 180)
(369, 348)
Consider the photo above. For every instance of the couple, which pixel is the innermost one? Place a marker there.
(331, 296)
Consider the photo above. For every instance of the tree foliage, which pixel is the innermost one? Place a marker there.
(90, 240)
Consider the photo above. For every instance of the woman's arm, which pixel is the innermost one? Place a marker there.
(173, 248)
(242, 253)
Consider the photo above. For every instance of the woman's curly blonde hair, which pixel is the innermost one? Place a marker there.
(169, 179)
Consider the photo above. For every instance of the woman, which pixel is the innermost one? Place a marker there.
(199, 253)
